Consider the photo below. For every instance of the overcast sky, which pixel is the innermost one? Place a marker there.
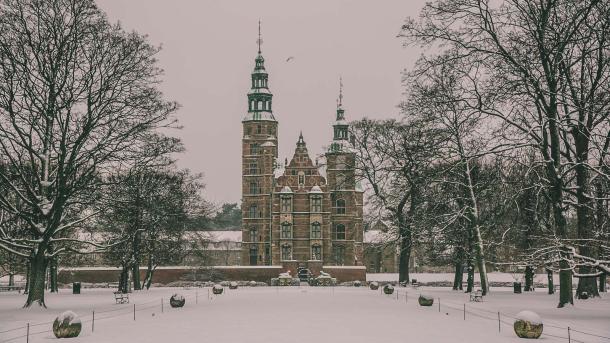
(208, 54)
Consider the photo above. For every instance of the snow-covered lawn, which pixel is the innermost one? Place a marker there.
(434, 277)
(304, 314)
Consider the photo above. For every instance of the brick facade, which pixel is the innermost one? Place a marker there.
(296, 217)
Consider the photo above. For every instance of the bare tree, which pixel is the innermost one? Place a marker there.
(523, 46)
(77, 97)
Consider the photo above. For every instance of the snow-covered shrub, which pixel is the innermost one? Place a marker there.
(67, 325)
(425, 300)
(295, 282)
(528, 325)
(388, 289)
(374, 285)
(233, 285)
(357, 283)
(225, 283)
(217, 289)
(252, 284)
(177, 300)
(275, 281)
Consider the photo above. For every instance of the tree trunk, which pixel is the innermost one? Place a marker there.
(136, 263)
(470, 277)
(38, 271)
(587, 286)
(124, 280)
(27, 278)
(403, 262)
(529, 278)
(52, 272)
(11, 279)
(602, 282)
(459, 276)
(550, 284)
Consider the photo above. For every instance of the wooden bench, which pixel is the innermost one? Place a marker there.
(476, 296)
(414, 283)
(11, 288)
(121, 298)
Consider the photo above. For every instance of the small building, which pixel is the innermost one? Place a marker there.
(381, 250)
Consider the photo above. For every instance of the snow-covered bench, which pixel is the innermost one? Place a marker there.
(476, 296)
(121, 298)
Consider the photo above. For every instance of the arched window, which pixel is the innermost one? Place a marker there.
(286, 252)
(339, 231)
(253, 211)
(316, 252)
(259, 105)
(254, 187)
(340, 205)
(316, 230)
(301, 179)
(286, 231)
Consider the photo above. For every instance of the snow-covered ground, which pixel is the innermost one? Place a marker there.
(302, 314)
(435, 277)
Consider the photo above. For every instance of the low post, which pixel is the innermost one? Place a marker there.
(464, 311)
(93, 322)
(134, 311)
(406, 297)
(27, 334)
(569, 337)
(439, 305)
(499, 328)
(208, 294)
(196, 297)
(161, 305)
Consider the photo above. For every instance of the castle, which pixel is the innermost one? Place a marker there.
(293, 216)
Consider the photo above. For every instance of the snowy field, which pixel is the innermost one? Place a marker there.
(303, 314)
(435, 277)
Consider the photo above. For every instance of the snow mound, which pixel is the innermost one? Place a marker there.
(68, 317)
(529, 316)
(178, 297)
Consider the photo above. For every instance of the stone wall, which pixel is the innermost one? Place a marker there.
(165, 275)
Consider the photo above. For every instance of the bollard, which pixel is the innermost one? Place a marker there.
(439, 304)
(464, 311)
(406, 297)
(93, 322)
(499, 328)
(209, 294)
(134, 311)
(27, 334)
(161, 305)
(569, 337)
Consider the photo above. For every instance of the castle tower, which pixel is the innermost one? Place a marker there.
(259, 152)
(345, 196)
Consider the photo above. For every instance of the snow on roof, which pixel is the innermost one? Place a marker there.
(215, 236)
(316, 189)
(268, 143)
(376, 236)
(259, 116)
(286, 189)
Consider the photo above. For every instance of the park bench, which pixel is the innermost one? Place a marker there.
(476, 296)
(414, 283)
(121, 298)
(11, 288)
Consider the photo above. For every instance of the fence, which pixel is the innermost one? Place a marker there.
(567, 333)
(24, 333)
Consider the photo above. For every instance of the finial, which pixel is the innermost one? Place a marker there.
(301, 140)
(340, 91)
(259, 41)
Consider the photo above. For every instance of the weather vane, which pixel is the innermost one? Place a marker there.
(259, 41)
(340, 101)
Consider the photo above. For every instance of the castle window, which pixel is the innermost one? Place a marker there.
(286, 204)
(286, 252)
(254, 149)
(340, 206)
(254, 187)
(271, 130)
(339, 231)
(316, 204)
(286, 231)
(253, 256)
(316, 252)
(253, 168)
(316, 231)
(253, 211)
(301, 179)
(340, 181)
(339, 255)
(259, 105)
(259, 129)
(253, 235)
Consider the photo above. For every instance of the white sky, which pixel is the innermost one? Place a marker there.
(208, 54)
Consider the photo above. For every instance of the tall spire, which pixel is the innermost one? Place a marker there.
(341, 127)
(340, 110)
(259, 41)
(259, 97)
